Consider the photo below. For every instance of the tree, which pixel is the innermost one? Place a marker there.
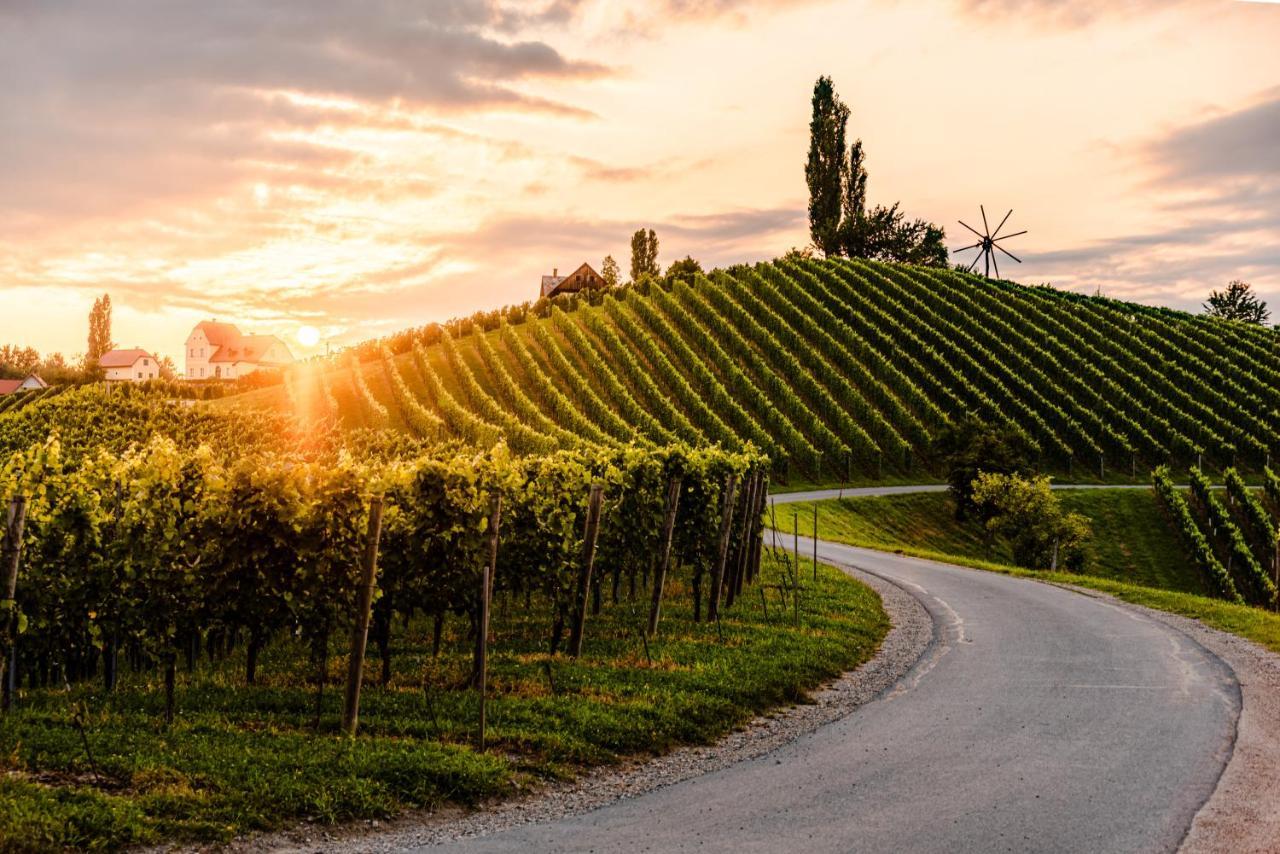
(971, 446)
(99, 330)
(826, 168)
(1027, 513)
(1237, 302)
(644, 254)
(684, 270)
(609, 271)
(854, 206)
(166, 369)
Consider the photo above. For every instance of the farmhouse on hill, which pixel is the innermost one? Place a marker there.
(582, 278)
(219, 351)
(26, 384)
(134, 365)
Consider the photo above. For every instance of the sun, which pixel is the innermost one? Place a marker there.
(308, 336)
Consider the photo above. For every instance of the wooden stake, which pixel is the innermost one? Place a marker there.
(815, 542)
(486, 597)
(664, 557)
(10, 556)
(584, 571)
(360, 629)
(726, 528)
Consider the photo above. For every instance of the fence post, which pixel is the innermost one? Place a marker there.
(660, 574)
(486, 597)
(584, 571)
(726, 528)
(360, 629)
(815, 542)
(10, 556)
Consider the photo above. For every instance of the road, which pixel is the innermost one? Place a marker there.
(1039, 719)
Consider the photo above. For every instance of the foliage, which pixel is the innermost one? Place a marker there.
(825, 168)
(684, 270)
(970, 447)
(1217, 579)
(1027, 513)
(1237, 302)
(609, 272)
(99, 330)
(644, 254)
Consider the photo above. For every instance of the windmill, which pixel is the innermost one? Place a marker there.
(988, 243)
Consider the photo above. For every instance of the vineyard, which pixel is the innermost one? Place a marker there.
(834, 369)
(157, 549)
(1234, 543)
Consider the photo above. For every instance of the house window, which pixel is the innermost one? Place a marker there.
(139, 374)
(146, 363)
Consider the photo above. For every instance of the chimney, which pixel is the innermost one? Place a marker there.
(555, 271)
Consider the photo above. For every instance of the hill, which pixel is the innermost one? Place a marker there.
(838, 369)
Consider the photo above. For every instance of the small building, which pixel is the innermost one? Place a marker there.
(580, 279)
(219, 351)
(134, 365)
(28, 383)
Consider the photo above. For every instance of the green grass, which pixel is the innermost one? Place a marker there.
(240, 759)
(1131, 541)
(1134, 551)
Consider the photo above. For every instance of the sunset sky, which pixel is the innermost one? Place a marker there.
(365, 166)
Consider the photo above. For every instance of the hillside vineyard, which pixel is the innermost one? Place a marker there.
(836, 369)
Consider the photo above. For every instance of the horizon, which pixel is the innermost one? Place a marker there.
(359, 172)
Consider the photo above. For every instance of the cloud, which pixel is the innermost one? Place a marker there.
(109, 106)
(1062, 13)
(1217, 183)
(1244, 143)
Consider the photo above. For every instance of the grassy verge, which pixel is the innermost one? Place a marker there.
(1127, 567)
(1132, 542)
(240, 759)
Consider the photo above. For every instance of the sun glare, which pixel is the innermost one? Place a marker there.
(308, 336)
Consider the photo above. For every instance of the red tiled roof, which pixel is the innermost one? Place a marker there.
(122, 358)
(219, 334)
(246, 348)
(10, 386)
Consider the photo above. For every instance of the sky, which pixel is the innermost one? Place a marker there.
(361, 166)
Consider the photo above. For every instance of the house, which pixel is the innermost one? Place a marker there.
(219, 351)
(134, 366)
(27, 384)
(583, 277)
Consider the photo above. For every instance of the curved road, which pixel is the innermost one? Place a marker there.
(1039, 719)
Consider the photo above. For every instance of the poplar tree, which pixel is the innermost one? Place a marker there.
(826, 168)
(99, 330)
(644, 254)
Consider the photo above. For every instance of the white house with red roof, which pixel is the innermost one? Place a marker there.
(134, 365)
(219, 351)
(25, 384)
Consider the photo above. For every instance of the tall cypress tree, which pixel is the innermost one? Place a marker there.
(825, 170)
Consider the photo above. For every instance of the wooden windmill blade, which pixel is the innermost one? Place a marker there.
(988, 243)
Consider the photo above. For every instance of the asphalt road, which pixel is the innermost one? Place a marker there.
(1040, 719)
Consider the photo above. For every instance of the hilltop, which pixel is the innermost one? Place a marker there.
(838, 369)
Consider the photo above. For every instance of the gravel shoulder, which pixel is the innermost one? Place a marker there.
(911, 634)
(1243, 813)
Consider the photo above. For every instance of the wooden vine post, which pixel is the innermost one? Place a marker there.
(486, 598)
(726, 528)
(738, 575)
(10, 556)
(815, 542)
(584, 570)
(757, 538)
(664, 556)
(360, 628)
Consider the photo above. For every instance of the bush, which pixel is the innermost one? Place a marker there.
(1027, 513)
